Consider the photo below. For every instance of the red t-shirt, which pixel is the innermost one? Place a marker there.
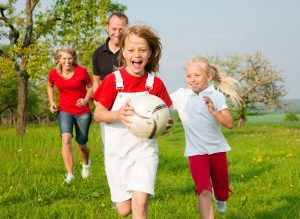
(70, 90)
(107, 92)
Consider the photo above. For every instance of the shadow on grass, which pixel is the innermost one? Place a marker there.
(288, 210)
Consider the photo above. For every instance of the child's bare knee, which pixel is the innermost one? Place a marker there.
(124, 208)
(205, 194)
(124, 212)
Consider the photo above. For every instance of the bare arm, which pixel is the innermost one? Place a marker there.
(50, 90)
(102, 114)
(96, 82)
(223, 117)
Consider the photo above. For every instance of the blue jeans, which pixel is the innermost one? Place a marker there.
(82, 124)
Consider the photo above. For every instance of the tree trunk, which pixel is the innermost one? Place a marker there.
(241, 122)
(22, 99)
(241, 117)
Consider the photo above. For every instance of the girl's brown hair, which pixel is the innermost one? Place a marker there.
(150, 36)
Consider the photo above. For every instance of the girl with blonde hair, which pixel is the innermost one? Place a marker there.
(202, 110)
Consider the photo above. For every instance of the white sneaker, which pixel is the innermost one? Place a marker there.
(69, 178)
(86, 170)
(221, 206)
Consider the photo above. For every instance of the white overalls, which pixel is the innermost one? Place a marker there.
(130, 162)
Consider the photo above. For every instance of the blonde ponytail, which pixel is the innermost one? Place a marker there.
(229, 86)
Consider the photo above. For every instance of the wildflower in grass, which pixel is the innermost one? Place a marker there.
(257, 160)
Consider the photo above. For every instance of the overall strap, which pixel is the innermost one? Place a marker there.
(120, 85)
(119, 81)
(150, 82)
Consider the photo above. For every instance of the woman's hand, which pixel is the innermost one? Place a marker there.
(53, 107)
(81, 102)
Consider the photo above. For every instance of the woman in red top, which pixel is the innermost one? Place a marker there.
(74, 86)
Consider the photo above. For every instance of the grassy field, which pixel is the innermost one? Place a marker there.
(264, 173)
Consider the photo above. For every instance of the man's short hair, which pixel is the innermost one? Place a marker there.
(118, 14)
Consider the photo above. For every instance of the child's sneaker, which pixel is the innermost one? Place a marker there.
(221, 206)
(86, 170)
(69, 178)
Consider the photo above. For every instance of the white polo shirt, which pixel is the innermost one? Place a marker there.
(202, 131)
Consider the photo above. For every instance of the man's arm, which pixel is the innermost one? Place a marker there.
(96, 82)
(96, 76)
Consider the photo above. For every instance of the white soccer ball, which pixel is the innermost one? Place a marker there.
(150, 117)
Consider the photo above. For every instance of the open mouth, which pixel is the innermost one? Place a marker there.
(137, 64)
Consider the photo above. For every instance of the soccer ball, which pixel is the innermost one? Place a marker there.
(150, 116)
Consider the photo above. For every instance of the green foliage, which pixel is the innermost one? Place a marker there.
(39, 60)
(291, 117)
(8, 83)
(263, 165)
(29, 54)
(37, 102)
(82, 25)
(8, 91)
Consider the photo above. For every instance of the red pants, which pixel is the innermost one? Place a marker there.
(211, 171)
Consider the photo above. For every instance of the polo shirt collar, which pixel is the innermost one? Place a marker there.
(105, 47)
(210, 89)
(190, 92)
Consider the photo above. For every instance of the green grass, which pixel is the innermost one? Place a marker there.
(264, 173)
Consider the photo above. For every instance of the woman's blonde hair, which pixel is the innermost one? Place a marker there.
(227, 85)
(150, 36)
(57, 56)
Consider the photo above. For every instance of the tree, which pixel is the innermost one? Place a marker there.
(261, 83)
(290, 116)
(34, 35)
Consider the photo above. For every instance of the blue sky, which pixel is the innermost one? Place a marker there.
(219, 27)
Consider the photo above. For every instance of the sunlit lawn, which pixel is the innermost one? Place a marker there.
(264, 171)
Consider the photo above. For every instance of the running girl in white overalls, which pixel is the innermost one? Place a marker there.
(130, 162)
